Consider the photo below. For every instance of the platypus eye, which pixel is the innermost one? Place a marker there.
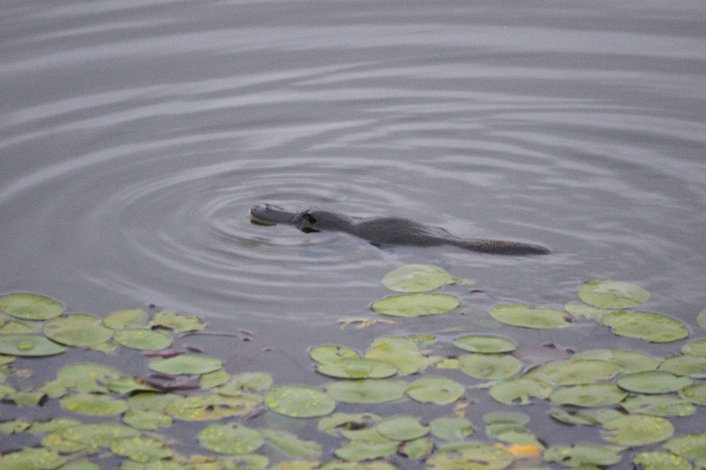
(309, 218)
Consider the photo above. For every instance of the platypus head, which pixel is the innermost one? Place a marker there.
(269, 214)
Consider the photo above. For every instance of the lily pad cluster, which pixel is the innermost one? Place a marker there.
(626, 400)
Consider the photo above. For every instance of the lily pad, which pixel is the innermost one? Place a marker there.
(401, 353)
(330, 353)
(402, 428)
(211, 407)
(122, 319)
(416, 278)
(582, 455)
(29, 345)
(349, 425)
(143, 338)
(637, 430)
(652, 381)
(695, 394)
(93, 437)
(689, 446)
(415, 305)
(366, 390)
(230, 439)
(660, 460)
(520, 391)
(146, 420)
(701, 318)
(364, 450)
(30, 306)
(291, 444)
(416, 449)
(649, 326)
(140, 449)
(529, 316)
(588, 395)
(613, 294)
(575, 371)
(580, 309)
(179, 323)
(485, 344)
(685, 365)
(31, 459)
(695, 347)
(659, 405)
(490, 366)
(78, 330)
(299, 401)
(438, 390)
(185, 364)
(357, 368)
(470, 455)
(628, 361)
(94, 405)
(451, 429)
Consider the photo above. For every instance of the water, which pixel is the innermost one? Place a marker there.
(135, 136)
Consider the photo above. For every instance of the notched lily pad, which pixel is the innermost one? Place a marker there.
(92, 404)
(438, 390)
(331, 352)
(529, 316)
(357, 368)
(30, 306)
(402, 428)
(78, 330)
(211, 407)
(140, 449)
(31, 458)
(415, 305)
(485, 344)
(489, 366)
(177, 322)
(185, 364)
(590, 395)
(143, 339)
(658, 405)
(122, 319)
(628, 361)
(416, 278)
(652, 381)
(451, 429)
(575, 371)
(231, 439)
(364, 450)
(29, 345)
(582, 455)
(613, 294)
(689, 446)
(685, 365)
(299, 401)
(470, 455)
(520, 391)
(637, 430)
(660, 460)
(291, 444)
(649, 326)
(366, 390)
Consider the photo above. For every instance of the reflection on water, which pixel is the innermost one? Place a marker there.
(135, 136)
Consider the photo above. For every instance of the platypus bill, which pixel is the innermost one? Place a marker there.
(386, 230)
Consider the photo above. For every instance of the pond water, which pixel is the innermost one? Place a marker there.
(136, 135)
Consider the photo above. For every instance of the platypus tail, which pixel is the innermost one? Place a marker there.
(502, 247)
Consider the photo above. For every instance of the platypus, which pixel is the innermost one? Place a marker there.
(381, 231)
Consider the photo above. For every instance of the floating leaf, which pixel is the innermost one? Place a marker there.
(628, 361)
(695, 394)
(31, 459)
(580, 309)
(689, 446)
(348, 425)
(416, 278)
(93, 437)
(291, 444)
(174, 321)
(246, 381)
(364, 450)
(330, 353)
(402, 428)
(87, 377)
(650, 326)
(689, 366)
(489, 366)
(185, 364)
(652, 381)
(357, 368)
(485, 344)
(470, 455)
(29, 345)
(451, 429)
(695, 347)
(299, 402)
(139, 449)
(637, 430)
(94, 405)
(438, 390)
(660, 460)
(519, 391)
(416, 449)
(30, 306)
(588, 395)
(613, 294)
(366, 390)
(143, 338)
(77, 329)
(582, 455)
(415, 305)
(126, 319)
(660, 405)
(701, 318)
(575, 371)
(146, 420)
(230, 439)
(529, 316)
(211, 407)
(574, 418)
(401, 353)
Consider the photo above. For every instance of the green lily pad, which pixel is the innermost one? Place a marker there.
(529, 316)
(77, 329)
(575, 371)
(574, 418)
(330, 353)
(126, 385)
(659, 405)
(291, 444)
(520, 391)
(489, 366)
(416, 449)
(451, 429)
(299, 402)
(93, 437)
(211, 407)
(701, 318)
(357, 368)
(580, 309)
(179, 323)
(628, 361)
(246, 381)
(31, 459)
(469, 455)
(150, 401)
(416, 278)
(401, 353)
(94, 405)
(366, 390)
(364, 450)
(652, 381)
(143, 338)
(126, 319)
(649, 326)
(402, 428)
(689, 446)
(146, 420)
(582, 455)
(349, 425)
(637, 430)
(660, 460)
(485, 344)
(415, 305)
(29, 345)
(587, 396)
(438, 390)
(685, 365)
(186, 364)
(613, 294)
(140, 449)
(695, 394)
(87, 377)
(231, 439)
(30, 306)
(695, 347)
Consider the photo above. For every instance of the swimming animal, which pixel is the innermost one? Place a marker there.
(382, 231)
